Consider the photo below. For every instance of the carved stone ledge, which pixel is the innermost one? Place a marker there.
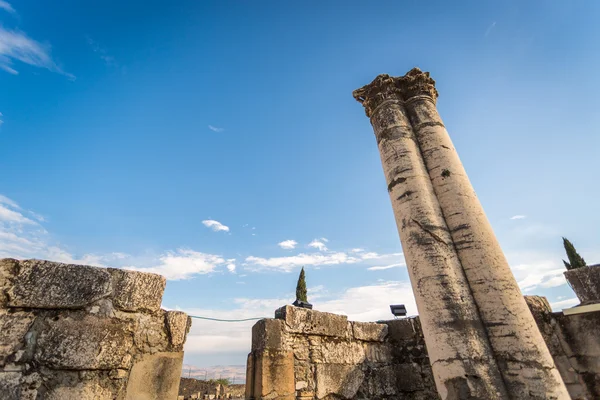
(371, 96)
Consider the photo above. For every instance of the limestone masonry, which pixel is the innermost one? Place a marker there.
(305, 355)
(82, 333)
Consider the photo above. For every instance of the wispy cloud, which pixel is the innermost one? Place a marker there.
(102, 52)
(289, 263)
(381, 268)
(16, 45)
(319, 244)
(1, 121)
(215, 129)
(288, 244)
(215, 225)
(560, 305)
(490, 28)
(185, 264)
(22, 237)
(6, 7)
(518, 217)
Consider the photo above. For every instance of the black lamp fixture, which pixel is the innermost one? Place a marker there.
(399, 310)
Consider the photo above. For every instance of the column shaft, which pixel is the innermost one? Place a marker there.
(460, 354)
(520, 351)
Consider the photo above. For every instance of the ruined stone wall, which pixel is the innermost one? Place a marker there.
(305, 354)
(80, 332)
(574, 342)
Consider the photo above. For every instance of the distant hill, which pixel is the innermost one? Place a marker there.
(190, 386)
(235, 373)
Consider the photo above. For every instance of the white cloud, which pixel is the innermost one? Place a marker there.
(215, 129)
(518, 217)
(16, 45)
(7, 201)
(560, 305)
(21, 237)
(184, 264)
(6, 7)
(215, 225)
(534, 270)
(381, 268)
(13, 216)
(1, 121)
(357, 250)
(319, 244)
(231, 265)
(289, 263)
(287, 244)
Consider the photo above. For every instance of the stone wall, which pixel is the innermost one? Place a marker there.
(307, 354)
(574, 342)
(80, 332)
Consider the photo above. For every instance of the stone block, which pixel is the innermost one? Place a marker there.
(135, 291)
(85, 390)
(338, 352)
(585, 282)
(369, 331)
(8, 270)
(378, 352)
(338, 380)
(13, 327)
(155, 377)
(268, 334)
(311, 322)
(382, 382)
(10, 385)
(402, 329)
(85, 342)
(274, 375)
(178, 325)
(45, 284)
(408, 377)
(249, 388)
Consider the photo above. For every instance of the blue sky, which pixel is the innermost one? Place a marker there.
(128, 126)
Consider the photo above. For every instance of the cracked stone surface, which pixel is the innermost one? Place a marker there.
(43, 284)
(80, 332)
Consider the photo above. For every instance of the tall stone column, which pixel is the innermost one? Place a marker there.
(461, 358)
(520, 351)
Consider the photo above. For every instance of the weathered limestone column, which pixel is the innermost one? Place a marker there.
(460, 354)
(520, 351)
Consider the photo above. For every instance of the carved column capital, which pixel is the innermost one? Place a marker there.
(417, 83)
(383, 88)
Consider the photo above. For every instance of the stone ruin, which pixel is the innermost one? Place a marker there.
(86, 333)
(305, 355)
(79, 332)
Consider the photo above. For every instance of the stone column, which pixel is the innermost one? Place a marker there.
(524, 360)
(460, 354)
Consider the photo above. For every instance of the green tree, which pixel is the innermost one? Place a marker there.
(301, 287)
(575, 260)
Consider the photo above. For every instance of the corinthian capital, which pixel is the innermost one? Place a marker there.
(383, 88)
(417, 83)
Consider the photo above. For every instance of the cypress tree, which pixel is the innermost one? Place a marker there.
(301, 287)
(575, 260)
